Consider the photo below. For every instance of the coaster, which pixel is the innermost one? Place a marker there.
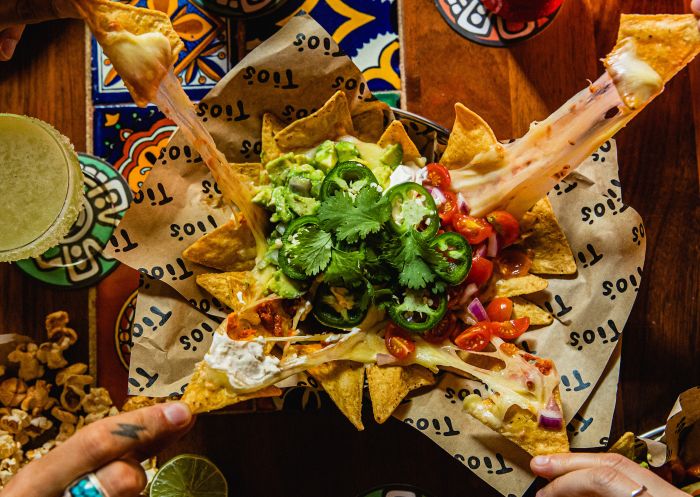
(476, 23)
(78, 261)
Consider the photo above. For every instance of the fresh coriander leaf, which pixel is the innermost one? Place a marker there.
(415, 260)
(345, 267)
(352, 220)
(310, 250)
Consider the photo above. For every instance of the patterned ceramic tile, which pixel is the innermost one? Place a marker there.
(130, 138)
(366, 30)
(200, 65)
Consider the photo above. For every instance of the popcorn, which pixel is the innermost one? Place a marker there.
(12, 392)
(29, 366)
(37, 399)
(31, 406)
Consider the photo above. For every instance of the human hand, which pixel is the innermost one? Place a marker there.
(111, 448)
(695, 6)
(599, 475)
(14, 14)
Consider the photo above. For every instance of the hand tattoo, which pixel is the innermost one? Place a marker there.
(128, 431)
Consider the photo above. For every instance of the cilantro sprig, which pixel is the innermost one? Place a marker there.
(351, 219)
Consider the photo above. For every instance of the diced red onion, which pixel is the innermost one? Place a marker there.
(551, 417)
(462, 204)
(492, 250)
(481, 250)
(437, 195)
(477, 310)
(550, 422)
(385, 359)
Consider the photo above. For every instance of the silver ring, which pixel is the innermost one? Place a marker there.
(639, 491)
(86, 486)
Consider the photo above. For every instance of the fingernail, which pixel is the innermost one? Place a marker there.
(541, 461)
(177, 413)
(7, 48)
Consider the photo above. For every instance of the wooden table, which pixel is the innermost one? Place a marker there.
(319, 453)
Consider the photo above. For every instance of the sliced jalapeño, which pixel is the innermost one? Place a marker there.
(418, 310)
(288, 240)
(458, 253)
(412, 207)
(341, 307)
(347, 176)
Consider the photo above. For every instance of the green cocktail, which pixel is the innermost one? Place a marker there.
(41, 187)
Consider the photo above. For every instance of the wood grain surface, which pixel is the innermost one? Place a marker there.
(319, 453)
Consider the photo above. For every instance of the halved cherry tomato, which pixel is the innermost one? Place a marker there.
(506, 226)
(442, 330)
(398, 342)
(474, 338)
(438, 176)
(500, 309)
(449, 208)
(510, 330)
(481, 271)
(474, 229)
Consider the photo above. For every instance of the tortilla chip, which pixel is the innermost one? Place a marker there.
(343, 382)
(207, 391)
(667, 43)
(470, 137)
(327, 123)
(521, 285)
(270, 127)
(108, 20)
(625, 446)
(396, 133)
(551, 253)
(369, 124)
(521, 427)
(232, 288)
(388, 385)
(230, 247)
(251, 170)
(523, 308)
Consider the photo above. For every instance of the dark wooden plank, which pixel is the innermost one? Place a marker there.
(45, 79)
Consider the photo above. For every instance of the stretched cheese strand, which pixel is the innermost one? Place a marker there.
(550, 150)
(172, 100)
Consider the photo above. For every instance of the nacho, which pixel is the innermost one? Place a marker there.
(551, 253)
(521, 285)
(520, 426)
(369, 124)
(141, 44)
(270, 127)
(343, 382)
(389, 385)
(330, 121)
(234, 289)
(525, 309)
(395, 133)
(206, 391)
(650, 50)
(230, 247)
(470, 137)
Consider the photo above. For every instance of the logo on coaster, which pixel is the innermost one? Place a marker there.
(122, 329)
(78, 260)
(476, 23)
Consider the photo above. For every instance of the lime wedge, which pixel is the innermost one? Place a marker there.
(189, 475)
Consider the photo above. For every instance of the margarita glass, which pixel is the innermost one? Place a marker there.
(41, 187)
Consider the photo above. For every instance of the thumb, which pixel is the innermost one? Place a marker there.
(8, 41)
(99, 443)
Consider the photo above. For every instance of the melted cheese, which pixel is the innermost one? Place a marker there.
(142, 61)
(636, 80)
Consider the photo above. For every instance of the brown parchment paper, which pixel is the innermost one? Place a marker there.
(179, 202)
